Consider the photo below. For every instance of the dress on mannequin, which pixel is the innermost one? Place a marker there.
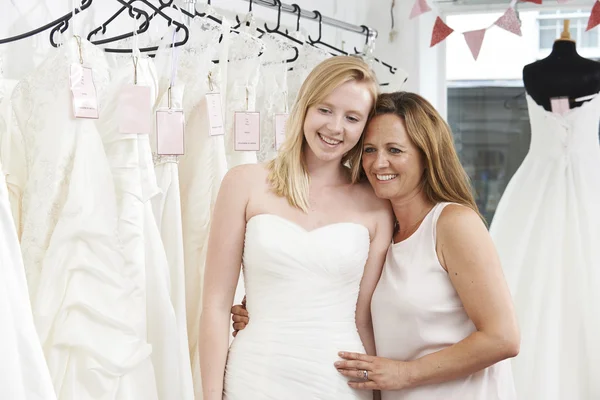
(87, 305)
(547, 229)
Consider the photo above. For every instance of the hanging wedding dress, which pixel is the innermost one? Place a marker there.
(547, 230)
(201, 168)
(24, 374)
(130, 157)
(308, 58)
(12, 151)
(242, 84)
(271, 98)
(88, 305)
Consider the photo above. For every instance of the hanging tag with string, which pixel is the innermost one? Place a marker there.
(280, 124)
(214, 109)
(135, 101)
(81, 78)
(246, 126)
(170, 121)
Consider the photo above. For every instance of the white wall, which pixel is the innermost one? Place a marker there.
(502, 55)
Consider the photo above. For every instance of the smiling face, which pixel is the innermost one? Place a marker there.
(334, 126)
(393, 164)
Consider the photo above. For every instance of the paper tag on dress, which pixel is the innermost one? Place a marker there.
(280, 123)
(247, 131)
(170, 126)
(85, 99)
(135, 109)
(559, 105)
(215, 114)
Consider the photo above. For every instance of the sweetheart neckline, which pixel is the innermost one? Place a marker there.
(564, 116)
(308, 231)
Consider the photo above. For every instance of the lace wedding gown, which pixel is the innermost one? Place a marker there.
(88, 303)
(547, 230)
(272, 92)
(317, 274)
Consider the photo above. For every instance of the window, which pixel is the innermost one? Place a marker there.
(551, 25)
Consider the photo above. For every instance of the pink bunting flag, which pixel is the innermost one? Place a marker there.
(510, 22)
(594, 17)
(420, 7)
(532, 1)
(475, 39)
(440, 32)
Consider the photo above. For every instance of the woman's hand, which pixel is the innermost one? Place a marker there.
(381, 373)
(239, 317)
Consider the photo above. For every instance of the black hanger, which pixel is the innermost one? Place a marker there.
(139, 13)
(299, 11)
(512, 103)
(368, 35)
(157, 11)
(56, 23)
(285, 35)
(318, 40)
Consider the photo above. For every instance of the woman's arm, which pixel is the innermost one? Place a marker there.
(467, 252)
(223, 263)
(380, 243)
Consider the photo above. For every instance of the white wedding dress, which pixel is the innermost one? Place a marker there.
(302, 287)
(547, 231)
(88, 304)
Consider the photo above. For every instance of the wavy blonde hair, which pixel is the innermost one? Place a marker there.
(445, 179)
(288, 174)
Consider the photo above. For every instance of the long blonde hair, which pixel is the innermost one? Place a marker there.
(288, 174)
(445, 180)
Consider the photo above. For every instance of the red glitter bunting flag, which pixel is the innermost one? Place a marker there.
(440, 32)
(594, 17)
(510, 22)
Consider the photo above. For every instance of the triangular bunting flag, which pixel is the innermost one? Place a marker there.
(440, 32)
(594, 17)
(510, 22)
(532, 1)
(420, 7)
(475, 39)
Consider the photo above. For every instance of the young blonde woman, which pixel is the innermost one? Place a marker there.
(310, 238)
(443, 318)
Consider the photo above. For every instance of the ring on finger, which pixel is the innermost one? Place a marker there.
(365, 375)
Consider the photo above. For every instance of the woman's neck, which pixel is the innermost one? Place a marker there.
(410, 212)
(325, 173)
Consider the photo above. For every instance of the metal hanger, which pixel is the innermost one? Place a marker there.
(102, 28)
(56, 23)
(318, 40)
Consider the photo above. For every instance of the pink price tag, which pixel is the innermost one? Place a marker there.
(247, 131)
(215, 114)
(280, 123)
(170, 126)
(85, 99)
(135, 110)
(559, 105)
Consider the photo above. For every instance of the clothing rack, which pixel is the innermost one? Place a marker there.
(290, 9)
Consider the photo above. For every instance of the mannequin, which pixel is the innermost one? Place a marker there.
(564, 73)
